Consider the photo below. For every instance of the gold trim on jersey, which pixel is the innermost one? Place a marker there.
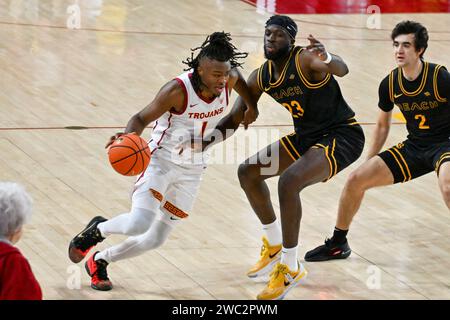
(293, 148)
(444, 156)
(399, 165)
(352, 121)
(282, 75)
(287, 149)
(422, 83)
(259, 78)
(305, 81)
(330, 157)
(325, 149)
(334, 158)
(404, 162)
(435, 87)
(391, 86)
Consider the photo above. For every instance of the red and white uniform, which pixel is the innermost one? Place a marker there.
(166, 191)
(174, 173)
(198, 119)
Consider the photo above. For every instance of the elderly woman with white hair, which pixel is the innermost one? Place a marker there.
(17, 281)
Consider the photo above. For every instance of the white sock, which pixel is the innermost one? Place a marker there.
(289, 258)
(273, 233)
(101, 255)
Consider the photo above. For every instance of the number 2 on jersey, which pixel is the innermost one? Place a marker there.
(422, 121)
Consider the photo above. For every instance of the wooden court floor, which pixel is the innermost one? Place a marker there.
(98, 76)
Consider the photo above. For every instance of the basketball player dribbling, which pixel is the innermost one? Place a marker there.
(185, 108)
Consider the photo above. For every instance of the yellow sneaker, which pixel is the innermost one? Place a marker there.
(282, 280)
(270, 255)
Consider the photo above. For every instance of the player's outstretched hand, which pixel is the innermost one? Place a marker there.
(316, 47)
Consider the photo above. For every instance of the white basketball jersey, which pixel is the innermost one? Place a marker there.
(198, 119)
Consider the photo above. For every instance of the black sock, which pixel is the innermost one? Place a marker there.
(339, 236)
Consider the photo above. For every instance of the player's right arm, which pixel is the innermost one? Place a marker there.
(381, 133)
(170, 97)
(383, 124)
(318, 54)
(229, 124)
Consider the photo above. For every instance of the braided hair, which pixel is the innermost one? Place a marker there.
(217, 46)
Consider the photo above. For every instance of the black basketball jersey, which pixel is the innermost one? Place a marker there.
(316, 108)
(426, 110)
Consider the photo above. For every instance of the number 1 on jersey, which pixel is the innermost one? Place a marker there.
(204, 124)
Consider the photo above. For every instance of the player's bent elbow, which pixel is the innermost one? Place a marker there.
(343, 71)
(346, 71)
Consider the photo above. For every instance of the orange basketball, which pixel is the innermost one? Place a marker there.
(129, 155)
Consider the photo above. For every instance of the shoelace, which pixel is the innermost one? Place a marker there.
(91, 238)
(280, 269)
(265, 248)
(264, 251)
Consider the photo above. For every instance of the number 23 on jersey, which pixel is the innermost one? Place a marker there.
(294, 108)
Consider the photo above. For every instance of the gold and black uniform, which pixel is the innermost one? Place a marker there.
(424, 102)
(321, 116)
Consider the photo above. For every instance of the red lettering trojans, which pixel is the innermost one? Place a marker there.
(203, 115)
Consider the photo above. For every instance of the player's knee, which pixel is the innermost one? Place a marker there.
(139, 221)
(290, 183)
(245, 173)
(355, 182)
(153, 242)
(445, 188)
(135, 228)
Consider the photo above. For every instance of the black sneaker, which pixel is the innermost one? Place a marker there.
(96, 269)
(329, 251)
(85, 240)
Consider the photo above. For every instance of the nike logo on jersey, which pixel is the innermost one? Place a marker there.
(172, 218)
(193, 105)
(397, 95)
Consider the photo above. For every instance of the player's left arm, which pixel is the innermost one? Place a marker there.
(443, 84)
(238, 83)
(323, 61)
